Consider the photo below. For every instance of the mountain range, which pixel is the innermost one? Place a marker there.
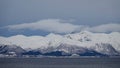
(84, 43)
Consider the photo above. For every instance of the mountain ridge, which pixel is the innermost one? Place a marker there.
(77, 43)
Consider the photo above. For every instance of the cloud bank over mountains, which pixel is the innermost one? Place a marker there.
(63, 26)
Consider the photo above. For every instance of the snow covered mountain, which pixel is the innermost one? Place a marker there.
(84, 43)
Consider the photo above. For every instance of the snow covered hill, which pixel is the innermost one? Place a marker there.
(82, 43)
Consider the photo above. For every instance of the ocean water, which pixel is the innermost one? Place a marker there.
(59, 62)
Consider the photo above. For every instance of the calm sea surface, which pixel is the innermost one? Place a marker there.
(59, 62)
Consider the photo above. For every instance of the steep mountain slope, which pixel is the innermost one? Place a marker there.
(11, 50)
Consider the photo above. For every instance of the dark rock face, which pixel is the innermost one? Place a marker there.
(92, 53)
(32, 53)
(56, 53)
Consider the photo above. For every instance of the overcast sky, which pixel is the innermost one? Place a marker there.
(40, 17)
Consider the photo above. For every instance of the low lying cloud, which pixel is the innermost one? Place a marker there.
(105, 28)
(50, 25)
(63, 26)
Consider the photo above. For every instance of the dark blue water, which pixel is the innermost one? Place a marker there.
(59, 62)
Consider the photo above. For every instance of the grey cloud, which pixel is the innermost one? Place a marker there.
(111, 27)
(63, 26)
(50, 25)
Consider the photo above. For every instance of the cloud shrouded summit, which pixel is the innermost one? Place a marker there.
(63, 26)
